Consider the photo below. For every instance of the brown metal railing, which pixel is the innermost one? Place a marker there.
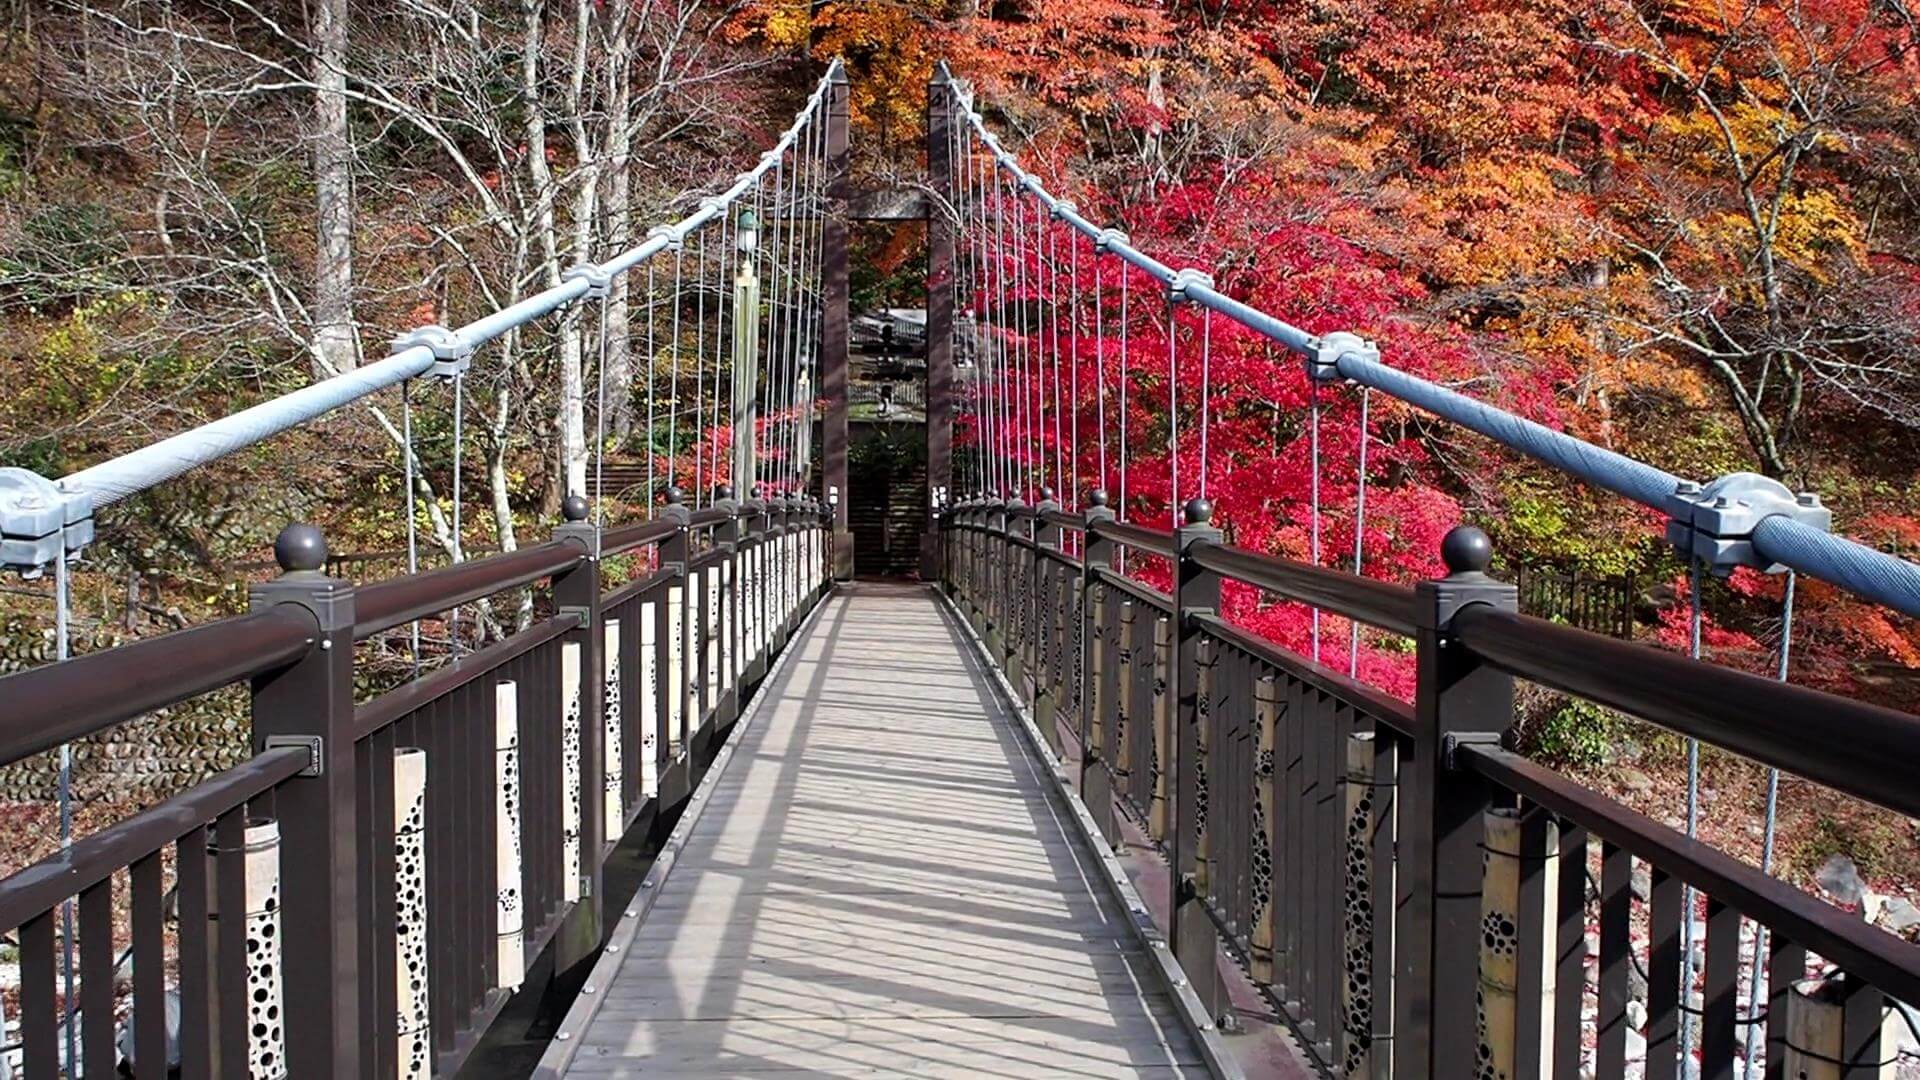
(390, 870)
(1413, 896)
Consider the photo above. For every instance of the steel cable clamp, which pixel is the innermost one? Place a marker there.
(452, 352)
(674, 237)
(40, 521)
(597, 279)
(1183, 280)
(1715, 523)
(1105, 242)
(1061, 208)
(1323, 363)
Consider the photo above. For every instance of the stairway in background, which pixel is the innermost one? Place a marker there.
(887, 516)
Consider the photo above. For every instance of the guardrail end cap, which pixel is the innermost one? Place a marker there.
(300, 548)
(1466, 549)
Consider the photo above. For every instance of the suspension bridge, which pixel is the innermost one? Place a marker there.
(1028, 816)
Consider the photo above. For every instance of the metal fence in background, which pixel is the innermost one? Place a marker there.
(1603, 605)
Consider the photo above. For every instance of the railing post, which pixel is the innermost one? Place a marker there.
(754, 510)
(782, 569)
(674, 557)
(309, 703)
(727, 535)
(577, 592)
(1046, 696)
(1021, 526)
(1458, 700)
(1196, 592)
(1096, 775)
(994, 563)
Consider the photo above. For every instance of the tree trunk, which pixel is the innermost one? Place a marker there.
(573, 337)
(333, 328)
(569, 423)
(617, 212)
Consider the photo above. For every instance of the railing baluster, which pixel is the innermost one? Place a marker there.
(1786, 965)
(230, 940)
(39, 1007)
(1570, 951)
(1291, 869)
(1663, 965)
(197, 1047)
(381, 924)
(96, 979)
(1616, 950)
(1719, 1009)
(1539, 870)
(431, 736)
(1315, 884)
(1384, 840)
(149, 964)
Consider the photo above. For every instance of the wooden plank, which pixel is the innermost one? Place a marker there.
(882, 883)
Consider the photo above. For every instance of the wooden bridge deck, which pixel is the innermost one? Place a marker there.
(881, 880)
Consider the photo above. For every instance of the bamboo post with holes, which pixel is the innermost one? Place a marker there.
(614, 774)
(571, 722)
(649, 691)
(1162, 707)
(414, 1033)
(510, 961)
(1266, 715)
(1499, 931)
(1837, 1029)
(1356, 988)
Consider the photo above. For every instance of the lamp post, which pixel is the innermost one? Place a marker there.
(746, 351)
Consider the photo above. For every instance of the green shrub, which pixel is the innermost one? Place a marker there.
(1570, 732)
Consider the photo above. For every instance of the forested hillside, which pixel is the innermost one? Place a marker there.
(1688, 231)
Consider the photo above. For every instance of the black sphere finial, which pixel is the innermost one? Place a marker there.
(1097, 497)
(1046, 494)
(300, 547)
(1199, 511)
(722, 491)
(758, 491)
(573, 508)
(1466, 550)
(675, 496)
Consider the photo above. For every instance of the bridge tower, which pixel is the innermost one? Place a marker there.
(941, 103)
